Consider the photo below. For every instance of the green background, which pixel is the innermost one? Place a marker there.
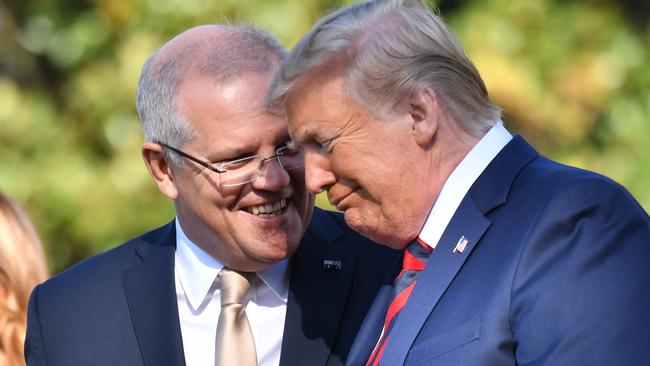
(572, 76)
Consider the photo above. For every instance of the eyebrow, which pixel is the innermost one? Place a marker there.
(307, 133)
(226, 154)
(231, 152)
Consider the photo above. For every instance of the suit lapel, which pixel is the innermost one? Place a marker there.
(151, 294)
(317, 295)
(442, 266)
(470, 223)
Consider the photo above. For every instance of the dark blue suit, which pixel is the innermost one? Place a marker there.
(120, 307)
(556, 272)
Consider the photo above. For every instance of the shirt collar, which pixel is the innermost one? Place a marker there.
(461, 180)
(196, 271)
(276, 278)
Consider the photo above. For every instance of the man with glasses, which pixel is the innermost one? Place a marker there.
(215, 286)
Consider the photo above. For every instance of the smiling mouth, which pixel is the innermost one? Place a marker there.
(269, 209)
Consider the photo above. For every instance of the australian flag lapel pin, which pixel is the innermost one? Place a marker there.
(332, 265)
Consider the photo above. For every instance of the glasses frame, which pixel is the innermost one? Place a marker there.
(221, 170)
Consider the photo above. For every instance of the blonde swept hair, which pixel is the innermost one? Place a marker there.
(22, 266)
(388, 49)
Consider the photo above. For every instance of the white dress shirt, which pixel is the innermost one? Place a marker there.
(460, 181)
(199, 304)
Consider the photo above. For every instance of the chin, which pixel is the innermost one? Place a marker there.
(269, 259)
(385, 238)
(380, 234)
(278, 251)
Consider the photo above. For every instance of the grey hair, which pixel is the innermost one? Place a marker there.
(220, 55)
(390, 48)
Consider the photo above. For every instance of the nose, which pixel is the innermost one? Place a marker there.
(318, 174)
(273, 176)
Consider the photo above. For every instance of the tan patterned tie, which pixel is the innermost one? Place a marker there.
(234, 345)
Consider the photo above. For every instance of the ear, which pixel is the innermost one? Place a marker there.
(424, 111)
(159, 169)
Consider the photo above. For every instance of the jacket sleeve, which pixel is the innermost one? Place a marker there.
(580, 295)
(34, 343)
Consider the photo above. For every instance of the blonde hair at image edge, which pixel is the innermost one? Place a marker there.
(22, 266)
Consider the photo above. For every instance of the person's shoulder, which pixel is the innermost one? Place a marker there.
(565, 185)
(107, 267)
(542, 173)
(557, 176)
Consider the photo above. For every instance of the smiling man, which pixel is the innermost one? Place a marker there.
(509, 258)
(240, 277)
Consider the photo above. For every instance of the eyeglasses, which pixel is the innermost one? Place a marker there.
(245, 170)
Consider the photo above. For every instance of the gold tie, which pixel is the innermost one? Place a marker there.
(234, 344)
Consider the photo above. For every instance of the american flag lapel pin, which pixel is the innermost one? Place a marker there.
(332, 265)
(460, 246)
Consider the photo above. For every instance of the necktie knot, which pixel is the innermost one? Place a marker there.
(415, 256)
(234, 286)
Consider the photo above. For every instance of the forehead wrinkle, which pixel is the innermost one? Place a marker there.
(243, 142)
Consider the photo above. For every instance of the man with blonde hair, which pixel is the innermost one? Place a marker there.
(509, 258)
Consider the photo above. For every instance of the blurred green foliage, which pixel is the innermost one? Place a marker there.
(572, 76)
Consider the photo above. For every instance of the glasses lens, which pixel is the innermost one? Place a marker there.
(241, 171)
(291, 158)
(246, 170)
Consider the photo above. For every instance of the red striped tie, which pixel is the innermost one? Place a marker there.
(415, 258)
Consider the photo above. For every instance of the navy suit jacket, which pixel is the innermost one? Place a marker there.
(120, 307)
(556, 272)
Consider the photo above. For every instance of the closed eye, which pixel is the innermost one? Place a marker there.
(288, 150)
(328, 145)
(236, 162)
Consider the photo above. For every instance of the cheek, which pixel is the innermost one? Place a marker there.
(364, 162)
(346, 163)
(304, 208)
(308, 210)
(297, 177)
(297, 181)
(219, 211)
(224, 198)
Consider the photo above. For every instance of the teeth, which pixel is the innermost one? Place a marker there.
(269, 208)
